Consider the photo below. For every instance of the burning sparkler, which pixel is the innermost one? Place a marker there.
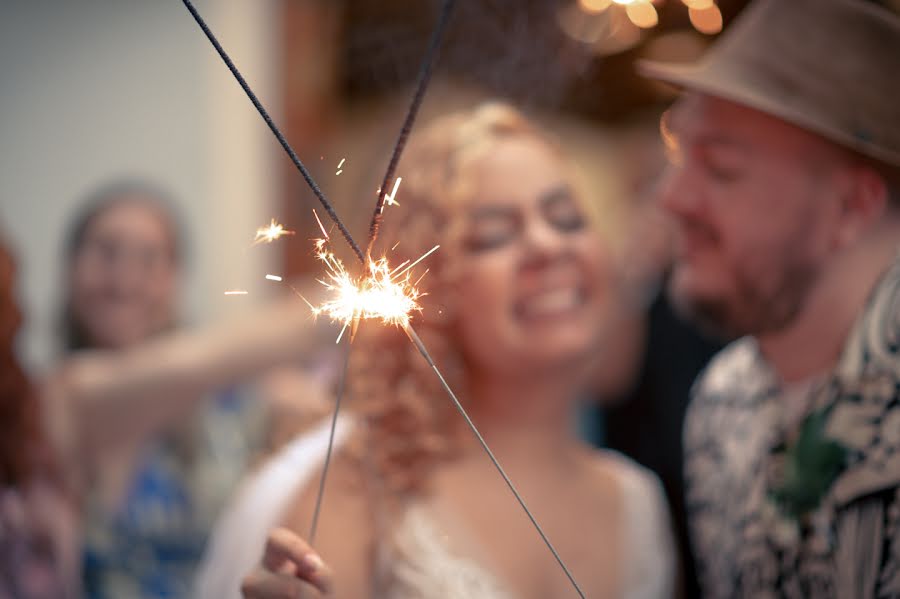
(384, 293)
(379, 273)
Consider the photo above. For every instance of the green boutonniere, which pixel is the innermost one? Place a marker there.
(811, 464)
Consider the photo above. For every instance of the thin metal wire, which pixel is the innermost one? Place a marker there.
(275, 130)
(414, 337)
(424, 78)
(334, 418)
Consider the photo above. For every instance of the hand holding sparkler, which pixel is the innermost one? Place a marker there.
(287, 569)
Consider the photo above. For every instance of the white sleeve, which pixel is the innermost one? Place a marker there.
(236, 544)
(649, 556)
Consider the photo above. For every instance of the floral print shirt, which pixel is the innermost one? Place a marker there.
(742, 436)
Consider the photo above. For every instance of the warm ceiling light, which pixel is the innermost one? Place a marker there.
(699, 4)
(594, 6)
(612, 26)
(706, 20)
(642, 14)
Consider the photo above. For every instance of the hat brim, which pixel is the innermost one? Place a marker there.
(700, 78)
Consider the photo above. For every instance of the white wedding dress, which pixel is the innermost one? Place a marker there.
(420, 565)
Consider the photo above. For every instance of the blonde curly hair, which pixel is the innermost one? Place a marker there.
(412, 425)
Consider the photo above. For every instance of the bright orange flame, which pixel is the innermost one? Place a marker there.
(270, 233)
(385, 294)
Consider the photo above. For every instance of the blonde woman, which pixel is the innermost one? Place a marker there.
(517, 299)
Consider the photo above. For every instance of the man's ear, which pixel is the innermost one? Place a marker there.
(864, 203)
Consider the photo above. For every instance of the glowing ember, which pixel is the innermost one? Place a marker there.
(271, 233)
(391, 200)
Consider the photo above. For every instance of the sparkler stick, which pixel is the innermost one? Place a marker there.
(414, 337)
(275, 131)
(421, 86)
(334, 418)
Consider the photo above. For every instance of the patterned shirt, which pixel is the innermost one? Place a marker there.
(751, 442)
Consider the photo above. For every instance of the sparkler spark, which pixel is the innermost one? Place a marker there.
(236, 292)
(271, 232)
(385, 294)
(273, 278)
(391, 199)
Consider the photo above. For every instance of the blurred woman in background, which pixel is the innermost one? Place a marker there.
(150, 458)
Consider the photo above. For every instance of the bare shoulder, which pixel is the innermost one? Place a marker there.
(612, 471)
(648, 551)
(345, 532)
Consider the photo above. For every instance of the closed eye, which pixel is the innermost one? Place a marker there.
(562, 211)
(491, 228)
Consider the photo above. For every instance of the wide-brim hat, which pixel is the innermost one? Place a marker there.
(829, 66)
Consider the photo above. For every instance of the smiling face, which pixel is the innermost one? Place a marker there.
(757, 205)
(123, 276)
(530, 272)
(517, 290)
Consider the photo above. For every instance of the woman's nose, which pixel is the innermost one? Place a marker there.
(542, 241)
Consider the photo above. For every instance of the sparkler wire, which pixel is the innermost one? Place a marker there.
(424, 77)
(334, 418)
(421, 86)
(274, 128)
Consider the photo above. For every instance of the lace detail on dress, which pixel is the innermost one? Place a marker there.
(419, 565)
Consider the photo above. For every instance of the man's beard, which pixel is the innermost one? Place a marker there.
(751, 310)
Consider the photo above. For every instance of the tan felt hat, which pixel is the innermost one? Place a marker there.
(828, 66)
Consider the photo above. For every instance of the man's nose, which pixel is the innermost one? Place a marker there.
(678, 193)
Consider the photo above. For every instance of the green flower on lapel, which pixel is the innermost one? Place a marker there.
(811, 464)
